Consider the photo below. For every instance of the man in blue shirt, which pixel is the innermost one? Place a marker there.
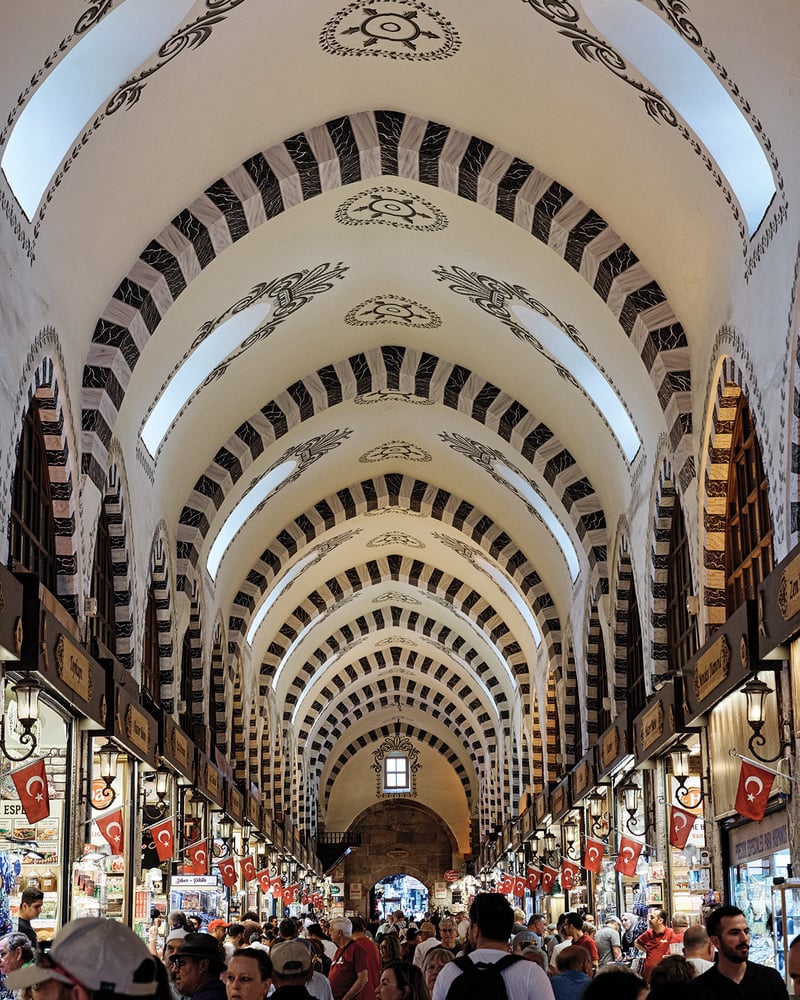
(574, 973)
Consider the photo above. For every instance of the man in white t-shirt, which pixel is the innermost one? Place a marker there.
(697, 948)
(491, 919)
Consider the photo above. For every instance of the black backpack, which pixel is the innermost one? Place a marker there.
(481, 980)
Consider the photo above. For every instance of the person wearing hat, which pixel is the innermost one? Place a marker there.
(219, 929)
(92, 958)
(197, 968)
(426, 940)
(291, 970)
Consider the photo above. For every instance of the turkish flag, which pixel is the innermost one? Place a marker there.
(31, 785)
(593, 855)
(227, 870)
(276, 886)
(248, 868)
(164, 838)
(519, 887)
(548, 877)
(288, 893)
(569, 870)
(534, 878)
(755, 785)
(680, 826)
(111, 828)
(628, 856)
(507, 884)
(198, 855)
(264, 879)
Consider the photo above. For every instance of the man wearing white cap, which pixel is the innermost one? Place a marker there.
(93, 959)
(291, 970)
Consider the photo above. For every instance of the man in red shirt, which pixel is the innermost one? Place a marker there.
(349, 972)
(655, 941)
(374, 963)
(573, 928)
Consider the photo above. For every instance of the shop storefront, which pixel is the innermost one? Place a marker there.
(611, 891)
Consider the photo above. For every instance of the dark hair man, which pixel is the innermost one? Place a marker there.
(729, 933)
(30, 906)
(655, 941)
(490, 921)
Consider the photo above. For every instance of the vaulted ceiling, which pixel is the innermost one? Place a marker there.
(467, 274)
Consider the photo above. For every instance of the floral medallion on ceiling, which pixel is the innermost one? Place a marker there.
(405, 450)
(391, 396)
(390, 206)
(394, 309)
(395, 596)
(403, 29)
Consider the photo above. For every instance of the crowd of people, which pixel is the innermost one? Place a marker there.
(491, 951)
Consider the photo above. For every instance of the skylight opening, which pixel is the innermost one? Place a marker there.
(275, 593)
(521, 485)
(514, 596)
(691, 87)
(210, 352)
(597, 387)
(257, 494)
(85, 78)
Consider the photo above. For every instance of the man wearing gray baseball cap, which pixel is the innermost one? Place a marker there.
(291, 970)
(92, 958)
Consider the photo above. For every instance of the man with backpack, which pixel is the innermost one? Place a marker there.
(489, 971)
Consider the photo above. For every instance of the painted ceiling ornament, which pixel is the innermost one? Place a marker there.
(402, 29)
(396, 596)
(458, 545)
(394, 309)
(395, 538)
(406, 450)
(391, 396)
(380, 511)
(397, 640)
(390, 206)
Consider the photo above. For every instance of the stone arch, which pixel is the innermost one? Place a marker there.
(114, 504)
(44, 389)
(216, 708)
(160, 581)
(625, 592)
(732, 382)
(365, 145)
(594, 696)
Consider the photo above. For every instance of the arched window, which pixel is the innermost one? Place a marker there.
(681, 626)
(33, 543)
(748, 530)
(151, 668)
(637, 694)
(604, 696)
(185, 717)
(104, 624)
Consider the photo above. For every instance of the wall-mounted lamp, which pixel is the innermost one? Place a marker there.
(108, 755)
(225, 830)
(630, 799)
(679, 757)
(160, 788)
(756, 692)
(571, 831)
(27, 693)
(551, 850)
(598, 814)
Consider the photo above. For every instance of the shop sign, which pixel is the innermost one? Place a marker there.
(10, 615)
(137, 728)
(759, 840)
(779, 604)
(541, 806)
(559, 799)
(656, 725)
(337, 889)
(181, 749)
(613, 744)
(194, 881)
(723, 663)
(235, 804)
(583, 777)
(254, 812)
(72, 666)
(65, 664)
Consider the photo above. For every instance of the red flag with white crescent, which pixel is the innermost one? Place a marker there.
(519, 887)
(164, 839)
(248, 868)
(755, 785)
(507, 884)
(289, 892)
(198, 855)
(276, 886)
(593, 855)
(680, 826)
(31, 784)
(227, 870)
(534, 878)
(548, 877)
(264, 879)
(111, 828)
(628, 856)
(569, 872)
